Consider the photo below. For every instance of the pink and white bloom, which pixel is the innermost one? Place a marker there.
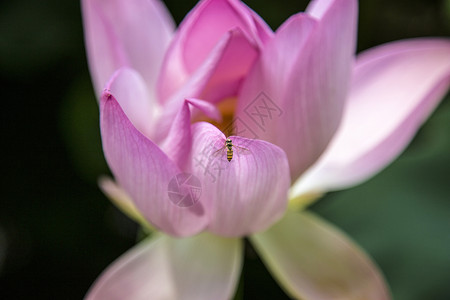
(323, 121)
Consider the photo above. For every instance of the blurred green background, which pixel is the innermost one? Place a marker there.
(58, 232)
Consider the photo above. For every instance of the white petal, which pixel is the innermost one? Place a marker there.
(312, 260)
(162, 267)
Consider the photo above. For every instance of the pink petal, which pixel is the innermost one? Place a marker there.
(395, 88)
(130, 90)
(215, 78)
(244, 195)
(207, 23)
(295, 94)
(263, 31)
(210, 110)
(313, 260)
(178, 143)
(144, 172)
(199, 267)
(318, 8)
(126, 33)
(237, 59)
(198, 35)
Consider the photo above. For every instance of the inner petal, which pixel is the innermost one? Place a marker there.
(244, 186)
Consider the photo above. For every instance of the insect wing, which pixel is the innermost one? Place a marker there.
(241, 150)
(219, 152)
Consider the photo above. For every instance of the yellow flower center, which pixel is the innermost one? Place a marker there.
(227, 108)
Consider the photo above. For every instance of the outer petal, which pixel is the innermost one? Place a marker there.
(198, 34)
(130, 90)
(199, 267)
(395, 88)
(126, 33)
(295, 94)
(144, 172)
(245, 195)
(313, 260)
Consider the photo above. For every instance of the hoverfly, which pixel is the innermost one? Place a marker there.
(229, 146)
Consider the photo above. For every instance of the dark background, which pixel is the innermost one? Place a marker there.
(57, 230)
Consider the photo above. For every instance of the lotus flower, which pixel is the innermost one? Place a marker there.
(306, 118)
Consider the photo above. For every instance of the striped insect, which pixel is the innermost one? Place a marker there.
(229, 146)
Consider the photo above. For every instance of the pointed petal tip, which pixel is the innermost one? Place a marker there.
(129, 89)
(209, 109)
(144, 171)
(296, 20)
(319, 8)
